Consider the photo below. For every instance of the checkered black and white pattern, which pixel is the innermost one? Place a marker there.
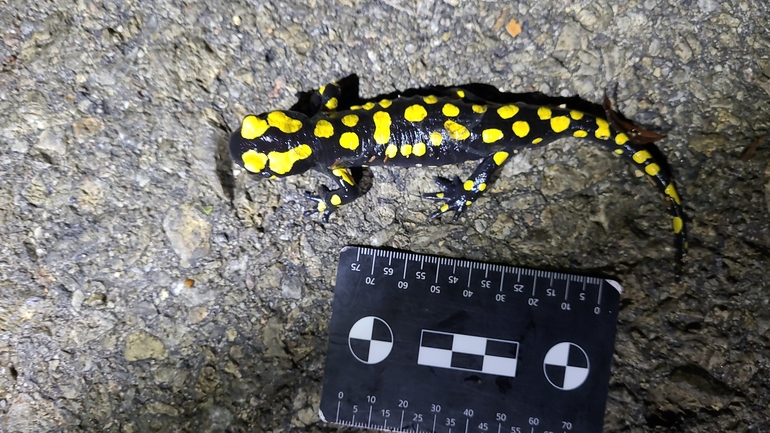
(468, 352)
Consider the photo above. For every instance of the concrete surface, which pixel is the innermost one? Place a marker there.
(144, 288)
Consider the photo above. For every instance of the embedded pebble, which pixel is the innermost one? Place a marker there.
(188, 232)
(141, 345)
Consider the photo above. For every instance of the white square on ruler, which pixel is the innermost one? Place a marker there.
(499, 366)
(435, 357)
(469, 344)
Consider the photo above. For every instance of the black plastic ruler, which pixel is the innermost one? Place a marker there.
(428, 344)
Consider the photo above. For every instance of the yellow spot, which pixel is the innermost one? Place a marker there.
(482, 187)
(652, 169)
(460, 93)
(344, 174)
(671, 192)
(468, 185)
(456, 131)
(507, 111)
(253, 127)
(273, 177)
(450, 110)
(321, 206)
(480, 109)
(544, 113)
(430, 99)
(521, 128)
(576, 115)
(677, 223)
(621, 139)
(439, 195)
(537, 140)
(349, 140)
(468, 203)
(332, 103)
(279, 119)
(385, 103)
(391, 151)
(335, 200)
(580, 133)
(619, 151)
(602, 129)
(491, 135)
(323, 129)
(368, 105)
(254, 161)
(282, 162)
(356, 107)
(641, 156)
(559, 123)
(436, 138)
(415, 113)
(419, 149)
(406, 150)
(322, 89)
(350, 120)
(444, 208)
(381, 127)
(500, 157)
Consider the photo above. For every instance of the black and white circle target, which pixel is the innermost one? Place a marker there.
(566, 366)
(370, 340)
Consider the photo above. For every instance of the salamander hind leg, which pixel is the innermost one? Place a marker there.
(458, 195)
(328, 201)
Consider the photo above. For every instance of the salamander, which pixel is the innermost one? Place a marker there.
(448, 127)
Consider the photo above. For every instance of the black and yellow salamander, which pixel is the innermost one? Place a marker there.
(430, 130)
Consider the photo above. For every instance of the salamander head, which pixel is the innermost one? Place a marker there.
(273, 144)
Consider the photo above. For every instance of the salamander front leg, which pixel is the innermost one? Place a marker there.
(458, 195)
(327, 201)
(329, 96)
(324, 99)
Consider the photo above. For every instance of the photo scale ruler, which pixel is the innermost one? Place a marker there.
(428, 344)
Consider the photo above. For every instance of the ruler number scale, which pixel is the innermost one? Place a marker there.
(430, 344)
